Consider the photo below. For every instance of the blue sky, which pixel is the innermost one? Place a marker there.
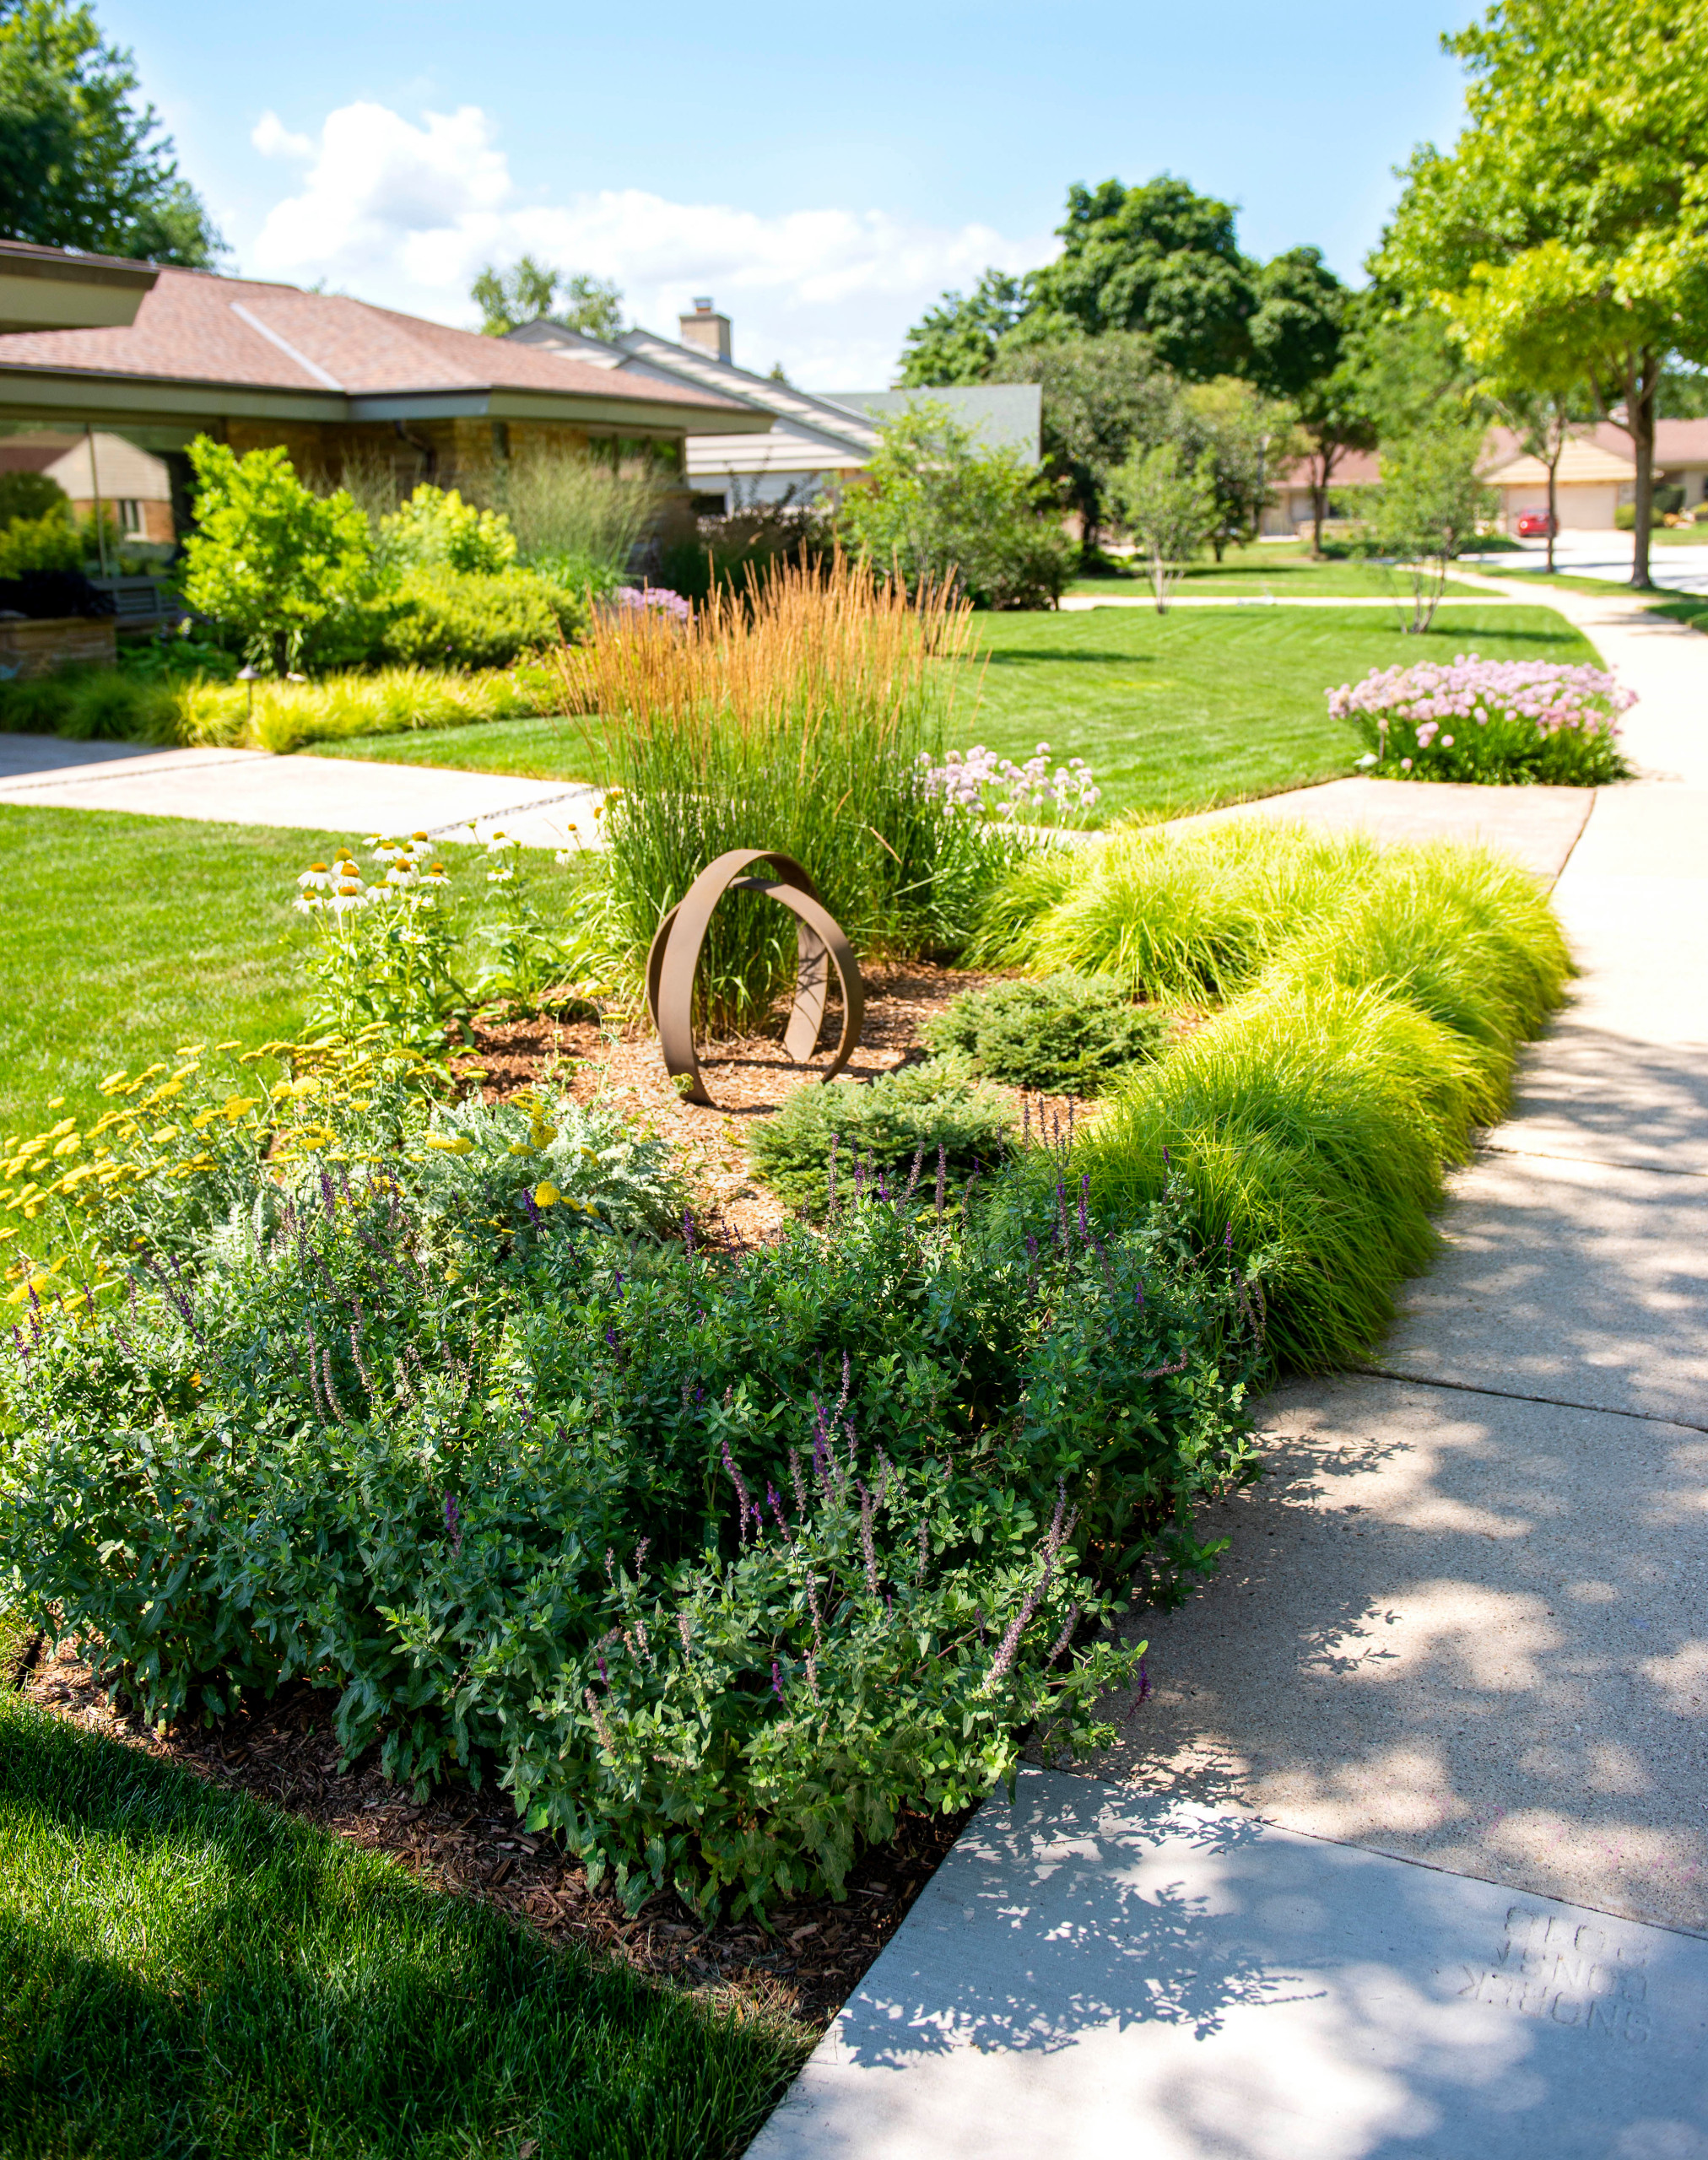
(823, 174)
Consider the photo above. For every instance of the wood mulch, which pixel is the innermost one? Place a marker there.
(748, 1080)
(471, 1844)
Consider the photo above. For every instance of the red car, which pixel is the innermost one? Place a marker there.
(1533, 524)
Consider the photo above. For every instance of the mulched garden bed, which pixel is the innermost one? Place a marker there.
(748, 1080)
(471, 1844)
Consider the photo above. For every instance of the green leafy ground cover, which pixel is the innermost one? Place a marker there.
(129, 935)
(1175, 712)
(189, 1976)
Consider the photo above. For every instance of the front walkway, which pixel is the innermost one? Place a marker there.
(326, 795)
(1341, 1890)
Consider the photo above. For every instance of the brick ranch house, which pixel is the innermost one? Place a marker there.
(332, 380)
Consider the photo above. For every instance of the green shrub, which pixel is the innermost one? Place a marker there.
(48, 542)
(938, 509)
(716, 1561)
(447, 618)
(434, 530)
(31, 495)
(1065, 1034)
(286, 571)
(875, 1129)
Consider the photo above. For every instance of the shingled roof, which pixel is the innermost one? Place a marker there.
(236, 334)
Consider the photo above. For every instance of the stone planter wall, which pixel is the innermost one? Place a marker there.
(30, 648)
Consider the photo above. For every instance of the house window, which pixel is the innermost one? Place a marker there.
(130, 518)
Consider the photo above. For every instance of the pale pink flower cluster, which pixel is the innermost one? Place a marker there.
(978, 780)
(1547, 694)
(659, 598)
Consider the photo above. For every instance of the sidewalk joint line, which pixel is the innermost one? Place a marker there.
(511, 810)
(1517, 1394)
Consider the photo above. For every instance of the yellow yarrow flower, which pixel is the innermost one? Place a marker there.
(546, 1195)
(462, 1145)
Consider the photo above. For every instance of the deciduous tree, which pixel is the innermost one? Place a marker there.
(82, 164)
(530, 292)
(1576, 202)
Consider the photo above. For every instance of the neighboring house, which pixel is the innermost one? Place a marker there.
(132, 486)
(1291, 509)
(335, 381)
(1598, 473)
(818, 442)
(48, 289)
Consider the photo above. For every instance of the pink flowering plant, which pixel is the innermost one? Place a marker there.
(652, 600)
(1512, 720)
(978, 780)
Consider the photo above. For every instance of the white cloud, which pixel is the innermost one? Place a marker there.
(404, 214)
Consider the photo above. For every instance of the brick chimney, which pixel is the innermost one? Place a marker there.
(706, 330)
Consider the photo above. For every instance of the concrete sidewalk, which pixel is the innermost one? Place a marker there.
(251, 787)
(1463, 1627)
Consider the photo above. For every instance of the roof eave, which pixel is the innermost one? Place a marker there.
(74, 393)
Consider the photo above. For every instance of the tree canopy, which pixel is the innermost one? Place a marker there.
(532, 292)
(958, 340)
(1572, 216)
(1159, 259)
(82, 164)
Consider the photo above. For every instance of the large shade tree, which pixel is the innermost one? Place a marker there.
(1572, 214)
(957, 341)
(82, 164)
(1160, 259)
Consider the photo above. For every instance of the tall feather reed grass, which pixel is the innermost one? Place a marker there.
(565, 507)
(1372, 1006)
(791, 716)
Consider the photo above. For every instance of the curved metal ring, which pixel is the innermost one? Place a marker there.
(674, 960)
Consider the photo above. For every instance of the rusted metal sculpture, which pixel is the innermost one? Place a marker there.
(819, 946)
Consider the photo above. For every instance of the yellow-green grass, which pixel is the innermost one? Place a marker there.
(1371, 1003)
(1174, 712)
(187, 1975)
(128, 936)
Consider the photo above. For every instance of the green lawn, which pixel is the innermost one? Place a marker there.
(1174, 712)
(132, 934)
(1279, 568)
(1178, 712)
(185, 1975)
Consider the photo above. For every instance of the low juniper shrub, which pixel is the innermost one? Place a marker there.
(1063, 1033)
(889, 1132)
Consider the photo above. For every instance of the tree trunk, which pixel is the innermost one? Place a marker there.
(1641, 382)
(1553, 491)
(1326, 452)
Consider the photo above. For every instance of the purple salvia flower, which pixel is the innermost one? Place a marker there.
(776, 1508)
(453, 1524)
(598, 1717)
(685, 1629)
(924, 1546)
(687, 1231)
(941, 1177)
(830, 1178)
(1084, 1195)
(776, 1679)
(813, 1674)
(1066, 1636)
(742, 1494)
(799, 1483)
(599, 1659)
(867, 1545)
(532, 1211)
(1143, 1695)
(847, 1378)
(913, 1174)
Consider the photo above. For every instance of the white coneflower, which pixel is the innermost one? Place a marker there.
(316, 878)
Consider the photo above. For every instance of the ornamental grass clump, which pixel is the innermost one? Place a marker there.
(792, 715)
(1310, 1120)
(715, 1562)
(1512, 720)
